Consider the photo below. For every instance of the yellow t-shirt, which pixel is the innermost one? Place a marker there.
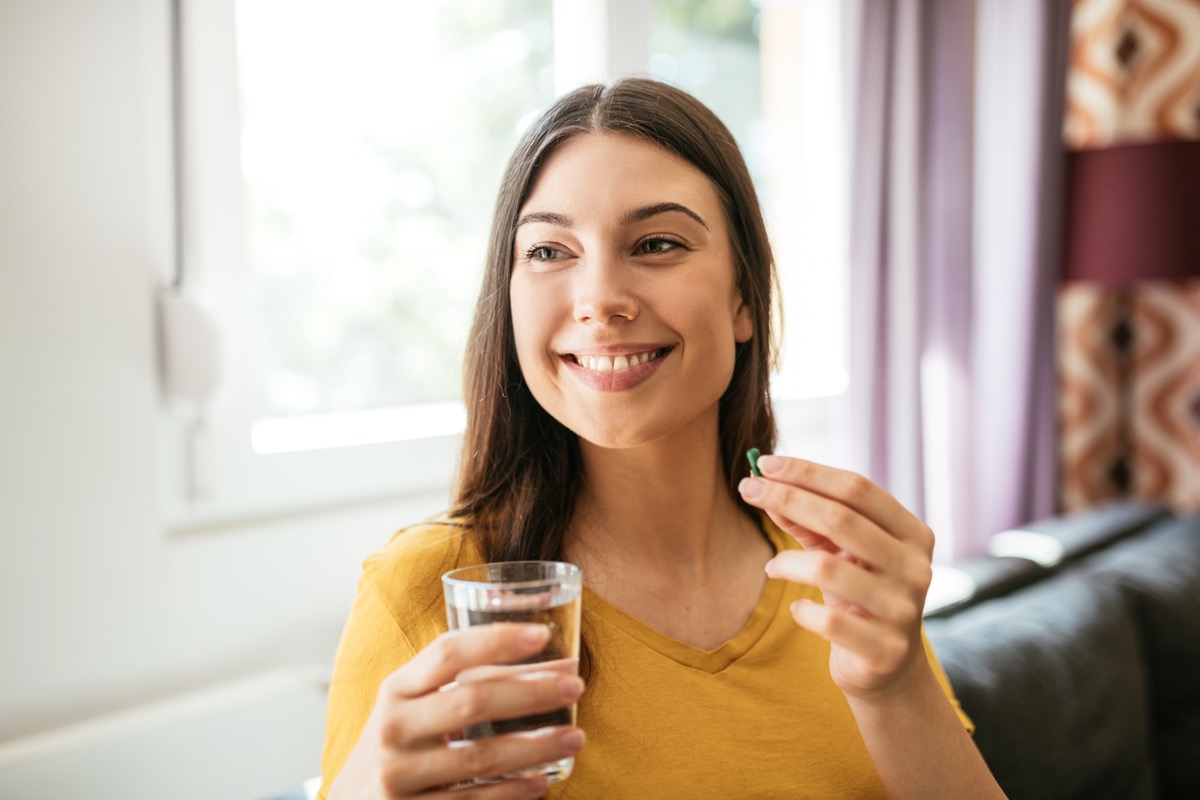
(758, 717)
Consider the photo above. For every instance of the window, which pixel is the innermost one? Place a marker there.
(772, 72)
(369, 178)
(341, 165)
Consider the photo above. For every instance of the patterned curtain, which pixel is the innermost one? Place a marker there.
(1129, 307)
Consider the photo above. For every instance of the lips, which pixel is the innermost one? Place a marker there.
(612, 369)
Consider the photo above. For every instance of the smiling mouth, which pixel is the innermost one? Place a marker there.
(618, 363)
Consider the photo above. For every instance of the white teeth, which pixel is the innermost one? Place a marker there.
(615, 363)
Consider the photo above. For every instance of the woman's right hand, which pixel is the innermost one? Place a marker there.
(405, 749)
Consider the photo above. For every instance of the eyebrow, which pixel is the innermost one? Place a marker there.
(636, 215)
(549, 217)
(645, 212)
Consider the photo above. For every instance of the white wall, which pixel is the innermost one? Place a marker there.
(99, 608)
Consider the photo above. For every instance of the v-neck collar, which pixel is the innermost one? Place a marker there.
(711, 661)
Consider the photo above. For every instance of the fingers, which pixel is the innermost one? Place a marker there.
(880, 650)
(879, 596)
(837, 522)
(852, 490)
(429, 719)
(864, 551)
(483, 758)
(451, 653)
(491, 672)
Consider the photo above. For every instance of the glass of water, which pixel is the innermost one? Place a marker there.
(546, 592)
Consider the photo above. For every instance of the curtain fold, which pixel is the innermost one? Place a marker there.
(955, 225)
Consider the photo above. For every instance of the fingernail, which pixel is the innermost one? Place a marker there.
(572, 740)
(535, 634)
(751, 488)
(571, 688)
(769, 465)
(767, 567)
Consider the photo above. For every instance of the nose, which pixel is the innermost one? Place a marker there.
(604, 291)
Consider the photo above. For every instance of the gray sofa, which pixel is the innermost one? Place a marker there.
(1081, 665)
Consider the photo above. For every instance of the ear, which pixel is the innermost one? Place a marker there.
(743, 322)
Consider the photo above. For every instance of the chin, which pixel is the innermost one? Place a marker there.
(614, 438)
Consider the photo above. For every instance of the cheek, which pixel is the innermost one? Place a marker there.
(530, 324)
(711, 310)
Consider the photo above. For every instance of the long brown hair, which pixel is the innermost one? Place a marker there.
(520, 471)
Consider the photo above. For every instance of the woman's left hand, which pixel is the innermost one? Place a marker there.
(869, 557)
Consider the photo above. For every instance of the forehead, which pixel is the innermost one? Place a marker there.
(597, 171)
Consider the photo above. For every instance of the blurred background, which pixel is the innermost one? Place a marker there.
(239, 248)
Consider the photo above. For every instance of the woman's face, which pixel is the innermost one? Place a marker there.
(624, 301)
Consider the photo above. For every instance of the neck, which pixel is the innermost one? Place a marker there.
(664, 506)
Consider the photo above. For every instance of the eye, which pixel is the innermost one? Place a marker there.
(543, 252)
(657, 245)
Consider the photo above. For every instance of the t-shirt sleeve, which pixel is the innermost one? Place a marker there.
(942, 679)
(397, 612)
(371, 648)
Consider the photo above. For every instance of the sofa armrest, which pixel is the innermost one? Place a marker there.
(975, 580)
(1057, 540)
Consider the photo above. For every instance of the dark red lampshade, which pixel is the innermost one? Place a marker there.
(1134, 213)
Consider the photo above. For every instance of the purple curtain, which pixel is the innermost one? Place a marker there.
(955, 229)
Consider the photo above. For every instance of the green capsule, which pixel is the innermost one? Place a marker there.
(752, 455)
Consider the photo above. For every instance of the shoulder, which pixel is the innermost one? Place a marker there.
(405, 576)
(432, 543)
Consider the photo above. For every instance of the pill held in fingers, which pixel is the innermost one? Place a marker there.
(752, 456)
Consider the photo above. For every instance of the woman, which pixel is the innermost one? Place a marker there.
(616, 372)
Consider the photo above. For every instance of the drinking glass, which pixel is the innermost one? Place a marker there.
(546, 592)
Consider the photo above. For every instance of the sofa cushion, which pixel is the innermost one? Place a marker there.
(1160, 574)
(1054, 679)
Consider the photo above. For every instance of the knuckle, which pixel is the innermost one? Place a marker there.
(922, 574)
(467, 702)
(928, 538)
(389, 687)
(825, 566)
(858, 487)
(916, 573)
(480, 759)
(803, 470)
(393, 732)
(440, 652)
(389, 778)
(395, 687)
(837, 516)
